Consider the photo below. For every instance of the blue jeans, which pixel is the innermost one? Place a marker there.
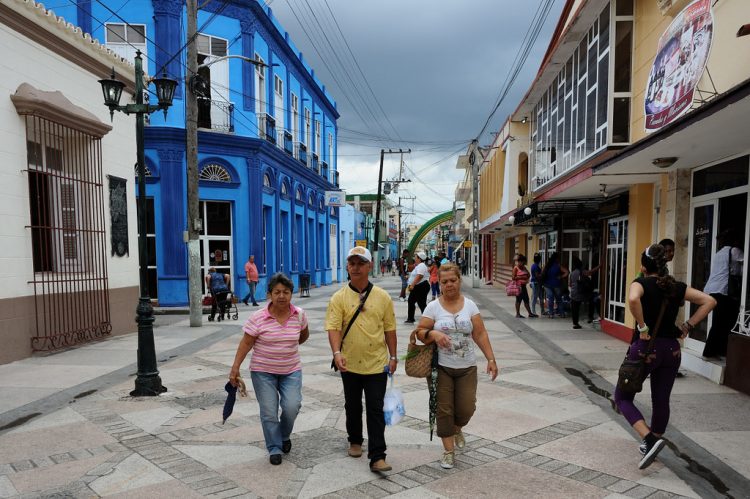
(554, 301)
(274, 391)
(251, 293)
(537, 294)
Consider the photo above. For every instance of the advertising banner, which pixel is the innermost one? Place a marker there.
(681, 57)
(335, 198)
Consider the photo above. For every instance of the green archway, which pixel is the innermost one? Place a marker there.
(427, 227)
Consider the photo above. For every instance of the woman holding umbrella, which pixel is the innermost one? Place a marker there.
(274, 333)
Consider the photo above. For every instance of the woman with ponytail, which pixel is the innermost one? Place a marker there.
(646, 297)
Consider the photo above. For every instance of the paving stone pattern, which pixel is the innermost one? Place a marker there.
(173, 451)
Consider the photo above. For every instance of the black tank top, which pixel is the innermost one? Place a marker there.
(651, 302)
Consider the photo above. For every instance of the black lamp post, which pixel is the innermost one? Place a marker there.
(147, 382)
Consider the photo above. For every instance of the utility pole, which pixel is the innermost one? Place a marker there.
(383, 152)
(475, 161)
(191, 151)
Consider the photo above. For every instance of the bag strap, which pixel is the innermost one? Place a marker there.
(356, 313)
(658, 324)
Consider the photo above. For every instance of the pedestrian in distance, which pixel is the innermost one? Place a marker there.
(725, 286)
(274, 334)
(382, 265)
(434, 284)
(419, 287)
(403, 265)
(365, 356)
(537, 290)
(251, 275)
(218, 286)
(553, 275)
(646, 297)
(522, 275)
(581, 290)
(454, 324)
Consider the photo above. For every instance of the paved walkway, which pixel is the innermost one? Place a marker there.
(545, 428)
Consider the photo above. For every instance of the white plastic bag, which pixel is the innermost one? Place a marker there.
(393, 405)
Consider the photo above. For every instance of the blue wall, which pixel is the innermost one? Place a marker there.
(244, 154)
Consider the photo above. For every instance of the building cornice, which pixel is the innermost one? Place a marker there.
(33, 21)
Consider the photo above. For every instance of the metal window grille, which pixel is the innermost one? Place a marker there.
(66, 203)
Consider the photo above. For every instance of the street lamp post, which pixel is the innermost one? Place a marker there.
(147, 381)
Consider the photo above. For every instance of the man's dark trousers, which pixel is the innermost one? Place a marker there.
(374, 386)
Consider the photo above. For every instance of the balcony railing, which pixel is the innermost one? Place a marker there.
(215, 115)
(300, 152)
(267, 127)
(314, 163)
(324, 170)
(335, 178)
(288, 144)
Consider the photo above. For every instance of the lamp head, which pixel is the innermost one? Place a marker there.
(664, 162)
(112, 90)
(165, 88)
(511, 219)
(527, 211)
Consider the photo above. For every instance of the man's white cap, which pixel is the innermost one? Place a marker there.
(422, 255)
(361, 252)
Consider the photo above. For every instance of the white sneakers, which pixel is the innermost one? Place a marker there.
(448, 460)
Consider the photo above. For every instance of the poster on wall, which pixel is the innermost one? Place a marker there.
(335, 198)
(118, 210)
(681, 57)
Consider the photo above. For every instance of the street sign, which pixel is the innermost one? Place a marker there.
(468, 244)
(335, 198)
(361, 242)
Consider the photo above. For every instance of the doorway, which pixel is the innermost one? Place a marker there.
(216, 239)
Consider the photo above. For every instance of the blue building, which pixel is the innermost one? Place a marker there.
(266, 142)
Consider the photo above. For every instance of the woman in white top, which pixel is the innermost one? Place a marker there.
(726, 271)
(454, 324)
(419, 286)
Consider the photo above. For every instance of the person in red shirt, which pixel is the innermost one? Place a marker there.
(251, 274)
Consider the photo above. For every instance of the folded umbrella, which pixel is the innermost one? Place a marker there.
(232, 397)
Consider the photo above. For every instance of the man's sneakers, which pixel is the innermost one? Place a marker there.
(448, 460)
(650, 448)
(380, 466)
(275, 459)
(286, 446)
(409, 321)
(355, 450)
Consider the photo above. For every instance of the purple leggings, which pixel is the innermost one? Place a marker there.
(662, 365)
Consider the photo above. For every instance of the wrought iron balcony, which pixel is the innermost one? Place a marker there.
(300, 152)
(314, 163)
(335, 178)
(324, 170)
(215, 115)
(267, 127)
(288, 144)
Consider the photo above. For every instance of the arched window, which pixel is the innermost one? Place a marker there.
(267, 181)
(214, 173)
(311, 200)
(299, 196)
(321, 206)
(146, 170)
(284, 190)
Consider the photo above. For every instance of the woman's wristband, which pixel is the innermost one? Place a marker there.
(337, 352)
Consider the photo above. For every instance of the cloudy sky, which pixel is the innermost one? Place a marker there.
(424, 75)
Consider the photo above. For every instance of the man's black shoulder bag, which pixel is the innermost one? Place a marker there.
(351, 321)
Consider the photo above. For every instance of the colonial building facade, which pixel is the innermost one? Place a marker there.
(266, 143)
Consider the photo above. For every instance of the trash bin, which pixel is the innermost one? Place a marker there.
(304, 285)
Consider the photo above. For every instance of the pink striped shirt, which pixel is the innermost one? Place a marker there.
(276, 348)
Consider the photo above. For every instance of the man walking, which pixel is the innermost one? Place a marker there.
(365, 355)
(251, 274)
(403, 272)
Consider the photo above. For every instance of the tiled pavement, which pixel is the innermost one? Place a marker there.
(535, 433)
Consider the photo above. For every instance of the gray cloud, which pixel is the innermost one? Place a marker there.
(436, 69)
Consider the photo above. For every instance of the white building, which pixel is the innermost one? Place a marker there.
(60, 157)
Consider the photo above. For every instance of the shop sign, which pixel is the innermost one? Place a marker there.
(468, 244)
(335, 198)
(681, 57)
(361, 242)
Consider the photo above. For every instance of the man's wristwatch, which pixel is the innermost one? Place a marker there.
(393, 357)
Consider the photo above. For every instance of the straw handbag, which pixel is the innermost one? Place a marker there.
(418, 357)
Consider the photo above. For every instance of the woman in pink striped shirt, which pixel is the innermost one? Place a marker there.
(274, 333)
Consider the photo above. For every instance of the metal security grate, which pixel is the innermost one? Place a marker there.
(66, 203)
